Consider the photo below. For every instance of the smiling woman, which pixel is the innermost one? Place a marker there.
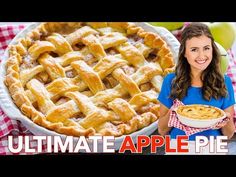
(197, 80)
(198, 52)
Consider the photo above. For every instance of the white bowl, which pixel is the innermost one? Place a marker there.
(200, 123)
(13, 112)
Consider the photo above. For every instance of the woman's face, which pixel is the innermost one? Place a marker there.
(198, 52)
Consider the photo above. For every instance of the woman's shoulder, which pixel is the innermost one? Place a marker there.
(227, 79)
(170, 76)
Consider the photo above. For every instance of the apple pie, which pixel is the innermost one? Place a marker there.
(94, 78)
(197, 111)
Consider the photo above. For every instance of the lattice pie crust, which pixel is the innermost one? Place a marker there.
(95, 78)
(202, 112)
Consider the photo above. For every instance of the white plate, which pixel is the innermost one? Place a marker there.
(13, 112)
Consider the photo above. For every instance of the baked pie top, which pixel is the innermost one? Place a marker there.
(202, 112)
(95, 78)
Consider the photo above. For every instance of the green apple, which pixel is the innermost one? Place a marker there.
(168, 25)
(224, 33)
(224, 60)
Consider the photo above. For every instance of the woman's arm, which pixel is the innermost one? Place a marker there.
(163, 128)
(229, 128)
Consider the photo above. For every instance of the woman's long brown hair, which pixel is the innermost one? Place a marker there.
(212, 78)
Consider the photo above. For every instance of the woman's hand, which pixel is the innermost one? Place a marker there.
(222, 124)
(228, 128)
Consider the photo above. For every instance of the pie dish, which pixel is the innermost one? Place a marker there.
(83, 79)
(200, 112)
(199, 116)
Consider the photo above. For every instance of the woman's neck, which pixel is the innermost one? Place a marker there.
(196, 79)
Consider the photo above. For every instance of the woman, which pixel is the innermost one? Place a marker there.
(197, 80)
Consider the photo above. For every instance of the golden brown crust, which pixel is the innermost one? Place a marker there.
(201, 112)
(36, 77)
